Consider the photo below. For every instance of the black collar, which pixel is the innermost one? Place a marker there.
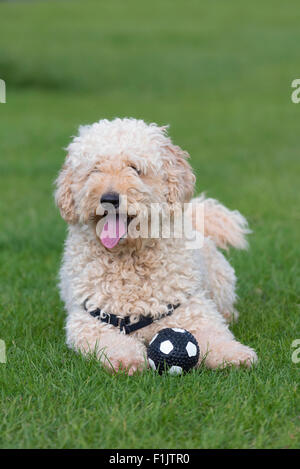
(124, 323)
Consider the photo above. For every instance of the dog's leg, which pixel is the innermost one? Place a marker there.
(220, 280)
(218, 347)
(115, 350)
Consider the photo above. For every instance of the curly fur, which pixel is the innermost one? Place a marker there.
(142, 276)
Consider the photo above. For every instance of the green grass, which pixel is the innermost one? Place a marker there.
(220, 73)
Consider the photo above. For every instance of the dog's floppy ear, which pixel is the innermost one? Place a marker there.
(63, 195)
(180, 177)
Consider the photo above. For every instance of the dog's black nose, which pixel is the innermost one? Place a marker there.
(110, 198)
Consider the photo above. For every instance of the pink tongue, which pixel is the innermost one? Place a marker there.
(113, 230)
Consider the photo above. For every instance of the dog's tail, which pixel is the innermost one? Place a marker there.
(225, 227)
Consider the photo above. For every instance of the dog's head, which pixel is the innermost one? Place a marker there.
(115, 171)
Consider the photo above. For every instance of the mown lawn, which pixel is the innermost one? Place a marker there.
(220, 73)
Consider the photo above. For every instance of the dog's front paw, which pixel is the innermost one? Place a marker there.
(129, 365)
(230, 353)
(131, 360)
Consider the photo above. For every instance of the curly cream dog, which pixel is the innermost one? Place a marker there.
(131, 276)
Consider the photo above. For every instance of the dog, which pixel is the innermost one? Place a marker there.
(119, 290)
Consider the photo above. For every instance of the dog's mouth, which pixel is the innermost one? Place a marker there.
(113, 228)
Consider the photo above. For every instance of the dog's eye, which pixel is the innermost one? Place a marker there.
(135, 169)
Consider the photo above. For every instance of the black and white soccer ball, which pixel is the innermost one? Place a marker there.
(173, 350)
